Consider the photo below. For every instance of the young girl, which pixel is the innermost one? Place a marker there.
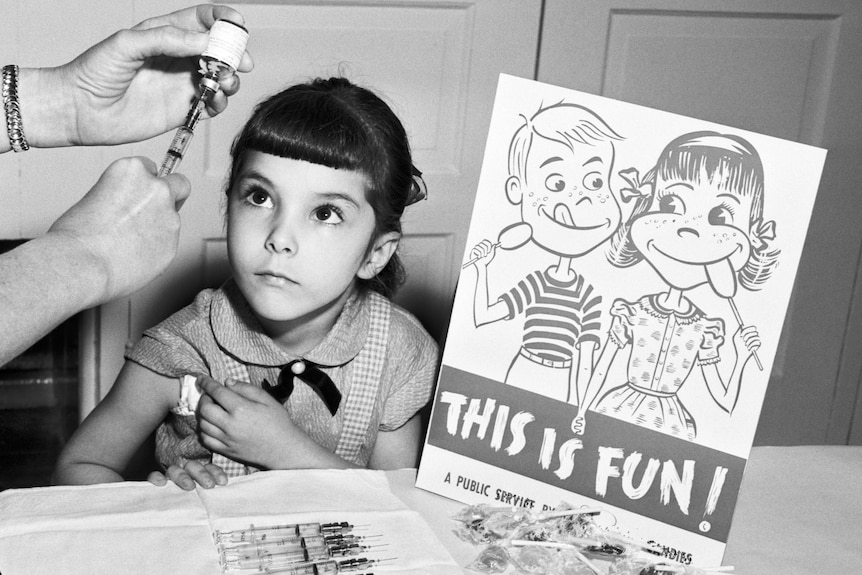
(320, 176)
(703, 224)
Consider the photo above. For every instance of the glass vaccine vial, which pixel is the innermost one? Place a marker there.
(227, 42)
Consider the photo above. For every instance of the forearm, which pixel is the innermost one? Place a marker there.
(302, 452)
(43, 282)
(81, 473)
(299, 451)
(45, 109)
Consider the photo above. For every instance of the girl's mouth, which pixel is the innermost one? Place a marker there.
(274, 279)
(652, 247)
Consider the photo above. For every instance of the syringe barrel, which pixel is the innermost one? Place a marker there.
(176, 151)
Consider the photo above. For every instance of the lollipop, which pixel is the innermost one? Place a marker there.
(722, 279)
(510, 238)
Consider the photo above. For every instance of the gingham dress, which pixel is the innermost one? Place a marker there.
(378, 355)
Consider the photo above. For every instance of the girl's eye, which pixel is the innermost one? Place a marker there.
(721, 216)
(258, 197)
(555, 183)
(328, 214)
(671, 204)
(593, 181)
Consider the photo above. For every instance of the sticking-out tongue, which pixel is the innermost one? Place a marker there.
(722, 277)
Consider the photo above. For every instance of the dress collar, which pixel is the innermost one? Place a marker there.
(653, 307)
(239, 333)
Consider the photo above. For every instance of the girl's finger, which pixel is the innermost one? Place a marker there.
(200, 474)
(220, 394)
(157, 478)
(211, 429)
(212, 443)
(212, 414)
(179, 476)
(217, 473)
(249, 391)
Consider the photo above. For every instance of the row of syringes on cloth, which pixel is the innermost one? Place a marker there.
(297, 549)
(564, 541)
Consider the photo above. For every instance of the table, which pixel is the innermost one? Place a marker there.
(799, 511)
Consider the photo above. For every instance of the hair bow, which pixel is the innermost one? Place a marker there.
(310, 374)
(636, 188)
(763, 231)
(418, 190)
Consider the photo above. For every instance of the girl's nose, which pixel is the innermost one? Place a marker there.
(687, 232)
(282, 237)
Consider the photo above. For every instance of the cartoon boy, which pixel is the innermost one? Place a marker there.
(560, 164)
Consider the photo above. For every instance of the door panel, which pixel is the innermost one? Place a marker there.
(785, 68)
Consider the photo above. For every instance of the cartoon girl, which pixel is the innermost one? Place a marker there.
(703, 223)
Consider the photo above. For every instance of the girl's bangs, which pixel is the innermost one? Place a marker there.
(317, 132)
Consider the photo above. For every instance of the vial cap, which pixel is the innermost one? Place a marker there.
(227, 42)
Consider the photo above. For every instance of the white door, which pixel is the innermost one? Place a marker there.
(787, 68)
(436, 62)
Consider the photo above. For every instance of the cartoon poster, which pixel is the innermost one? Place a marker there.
(618, 313)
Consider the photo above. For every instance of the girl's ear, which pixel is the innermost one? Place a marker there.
(379, 255)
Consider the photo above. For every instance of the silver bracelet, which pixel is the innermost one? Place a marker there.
(14, 125)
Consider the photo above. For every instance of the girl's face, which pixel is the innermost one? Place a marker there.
(298, 236)
(695, 228)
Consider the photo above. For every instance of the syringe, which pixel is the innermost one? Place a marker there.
(273, 560)
(227, 42)
(304, 552)
(328, 567)
(292, 542)
(258, 534)
(185, 132)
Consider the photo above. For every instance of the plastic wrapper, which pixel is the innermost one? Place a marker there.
(486, 524)
(544, 560)
(492, 559)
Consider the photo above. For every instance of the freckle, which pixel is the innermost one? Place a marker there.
(531, 194)
(602, 200)
(570, 194)
(545, 199)
(581, 193)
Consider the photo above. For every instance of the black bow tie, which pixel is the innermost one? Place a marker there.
(312, 375)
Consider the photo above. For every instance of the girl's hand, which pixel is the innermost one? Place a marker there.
(746, 339)
(207, 475)
(244, 423)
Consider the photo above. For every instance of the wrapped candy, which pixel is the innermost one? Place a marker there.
(492, 559)
(484, 523)
(645, 565)
(535, 560)
(563, 541)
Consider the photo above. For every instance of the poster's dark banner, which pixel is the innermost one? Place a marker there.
(655, 475)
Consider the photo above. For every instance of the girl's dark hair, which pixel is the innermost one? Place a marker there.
(338, 124)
